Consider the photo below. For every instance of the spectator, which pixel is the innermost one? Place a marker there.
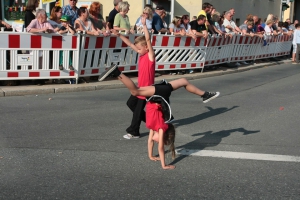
(121, 22)
(97, 19)
(162, 16)
(113, 13)
(206, 8)
(255, 20)
(218, 22)
(71, 10)
(296, 41)
(148, 12)
(175, 26)
(292, 26)
(157, 23)
(40, 24)
(30, 11)
(268, 27)
(185, 25)
(83, 23)
(230, 26)
(260, 29)
(247, 29)
(281, 28)
(55, 16)
(194, 18)
(198, 26)
(65, 28)
(264, 24)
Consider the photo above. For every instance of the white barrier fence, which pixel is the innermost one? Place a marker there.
(38, 56)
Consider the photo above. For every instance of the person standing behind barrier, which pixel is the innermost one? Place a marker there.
(97, 19)
(146, 74)
(157, 23)
(296, 43)
(66, 28)
(293, 26)
(113, 13)
(4, 24)
(30, 10)
(175, 27)
(55, 16)
(121, 22)
(83, 23)
(71, 10)
(230, 26)
(148, 12)
(198, 27)
(40, 24)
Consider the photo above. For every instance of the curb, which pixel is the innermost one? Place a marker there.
(8, 91)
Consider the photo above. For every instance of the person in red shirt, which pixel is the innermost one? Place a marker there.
(146, 74)
(158, 111)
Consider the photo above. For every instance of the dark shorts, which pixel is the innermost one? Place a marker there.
(163, 90)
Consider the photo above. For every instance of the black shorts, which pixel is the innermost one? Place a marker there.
(163, 90)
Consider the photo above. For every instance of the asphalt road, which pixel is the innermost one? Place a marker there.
(71, 146)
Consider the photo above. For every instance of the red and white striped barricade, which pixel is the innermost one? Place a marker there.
(218, 50)
(178, 52)
(99, 52)
(36, 56)
(284, 45)
(245, 47)
(267, 47)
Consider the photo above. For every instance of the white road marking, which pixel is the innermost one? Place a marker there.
(237, 155)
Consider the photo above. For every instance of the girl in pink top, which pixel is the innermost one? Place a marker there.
(40, 24)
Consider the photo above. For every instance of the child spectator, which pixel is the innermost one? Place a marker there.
(65, 28)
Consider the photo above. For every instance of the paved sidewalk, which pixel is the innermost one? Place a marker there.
(114, 83)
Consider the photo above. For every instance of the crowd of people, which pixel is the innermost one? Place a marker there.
(71, 19)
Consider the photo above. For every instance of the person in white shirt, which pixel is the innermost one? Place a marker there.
(230, 26)
(149, 13)
(296, 43)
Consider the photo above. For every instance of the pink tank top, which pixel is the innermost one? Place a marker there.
(146, 72)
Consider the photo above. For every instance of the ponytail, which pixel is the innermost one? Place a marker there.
(169, 139)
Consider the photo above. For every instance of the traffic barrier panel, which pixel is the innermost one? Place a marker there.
(283, 46)
(176, 52)
(37, 56)
(218, 50)
(244, 48)
(267, 47)
(99, 52)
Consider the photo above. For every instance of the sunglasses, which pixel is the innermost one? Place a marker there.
(73, 0)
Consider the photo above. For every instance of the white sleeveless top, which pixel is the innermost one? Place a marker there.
(88, 27)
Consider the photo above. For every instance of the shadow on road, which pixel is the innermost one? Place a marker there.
(210, 113)
(209, 139)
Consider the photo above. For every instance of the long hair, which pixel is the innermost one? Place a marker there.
(31, 5)
(93, 8)
(149, 11)
(54, 10)
(169, 139)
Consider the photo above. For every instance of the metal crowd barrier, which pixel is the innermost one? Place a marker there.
(38, 56)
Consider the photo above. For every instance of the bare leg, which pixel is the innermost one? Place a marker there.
(294, 57)
(134, 90)
(188, 86)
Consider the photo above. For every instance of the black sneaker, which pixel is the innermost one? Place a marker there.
(209, 96)
(112, 70)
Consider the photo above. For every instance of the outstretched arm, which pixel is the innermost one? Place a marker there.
(125, 39)
(148, 39)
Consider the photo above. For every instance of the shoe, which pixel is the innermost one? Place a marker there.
(237, 64)
(61, 67)
(179, 73)
(112, 70)
(294, 63)
(245, 63)
(130, 136)
(209, 96)
(191, 71)
(71, 68)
